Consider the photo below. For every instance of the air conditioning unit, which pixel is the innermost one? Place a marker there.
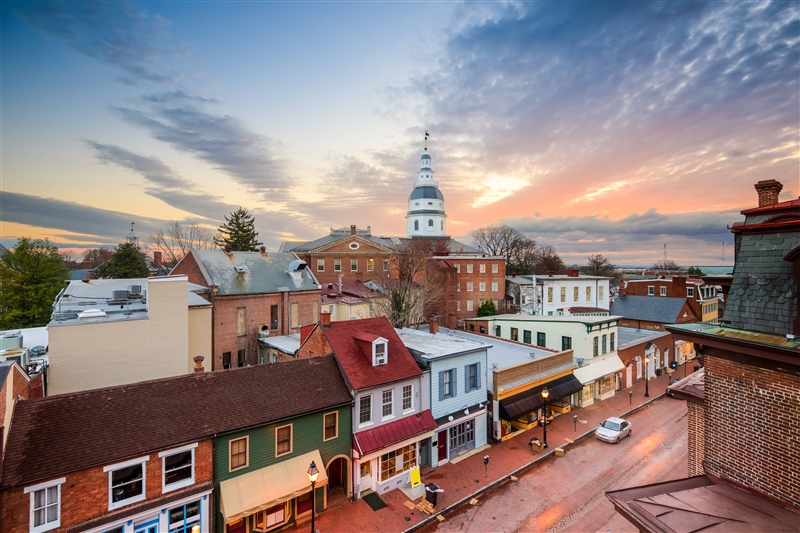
(21, 355)
(263, 331)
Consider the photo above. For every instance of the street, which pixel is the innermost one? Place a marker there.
(566, 494)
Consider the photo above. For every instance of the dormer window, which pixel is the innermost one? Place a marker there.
(379, 352)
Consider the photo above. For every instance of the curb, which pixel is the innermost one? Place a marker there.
(455, 505)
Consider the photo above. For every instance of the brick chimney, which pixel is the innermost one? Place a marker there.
(768, 191)
(325, 319)
(157, 259)
(550, 273)
(105, 255)
(263, 251)
(198, 364)
(228, 249)
(352, 230)
(434, 326)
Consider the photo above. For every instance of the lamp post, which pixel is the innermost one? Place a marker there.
(545, 394)
(646, 376)
(630, 397)
(312, 477)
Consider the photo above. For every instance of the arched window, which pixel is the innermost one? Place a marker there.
(430, 222)
(442, 225)
(416, 225)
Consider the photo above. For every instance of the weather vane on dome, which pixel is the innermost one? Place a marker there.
(426, 140)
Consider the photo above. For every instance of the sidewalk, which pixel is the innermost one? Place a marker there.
(462, 480)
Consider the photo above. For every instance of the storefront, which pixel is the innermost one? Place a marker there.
(598, 379)
(523, 410)
(460, 433)
(185, 515)
(273, 496)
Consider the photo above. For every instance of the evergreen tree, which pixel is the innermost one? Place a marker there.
(126, 262)
(31, 275)
(695, 271)
(239, 232)
(487, 308)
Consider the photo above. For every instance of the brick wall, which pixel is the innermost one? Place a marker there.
(84, 495)
(696, 428)
(453, 295)
(316, 344)
(628, 355)
(189, 268)
(751, 429)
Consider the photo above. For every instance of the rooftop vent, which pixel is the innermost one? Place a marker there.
(118, 295)
(239, 269)
(297, 265)
(92, 313)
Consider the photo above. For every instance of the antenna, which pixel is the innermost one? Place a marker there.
(426, 140)
(724, 259)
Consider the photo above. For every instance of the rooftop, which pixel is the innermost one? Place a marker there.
(285, 343)
(588, 320)
(755, 338)
(439, 345)
(628, 337)
(662, 309)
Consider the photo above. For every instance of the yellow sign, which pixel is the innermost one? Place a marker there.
(415, 477)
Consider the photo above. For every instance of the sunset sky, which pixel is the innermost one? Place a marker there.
(596, 127)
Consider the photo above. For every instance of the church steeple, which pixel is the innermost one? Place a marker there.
(426, 216)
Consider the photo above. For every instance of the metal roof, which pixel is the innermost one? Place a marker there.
(651, 308)
(439, 345)
(426, 192)
(752, 337)
(627, 337)
(260, 273)
(328, 239)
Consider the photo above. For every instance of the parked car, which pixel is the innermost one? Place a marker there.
(669, 389)
(613, 429)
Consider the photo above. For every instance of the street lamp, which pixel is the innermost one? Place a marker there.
(545, 395)
(312, 477)
(646, 377)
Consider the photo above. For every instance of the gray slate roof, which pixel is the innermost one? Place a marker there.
(328, 239)
(263, 274)
(651, 308)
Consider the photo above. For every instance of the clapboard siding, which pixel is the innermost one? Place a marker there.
(446, 406)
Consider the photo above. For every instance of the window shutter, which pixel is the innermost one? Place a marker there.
(441, 386)
(466, 378)
(454, 381)
(478, 373)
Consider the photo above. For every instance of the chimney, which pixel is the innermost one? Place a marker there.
(550, 273)
(263, 251)
(768, 191)
(434, 326)
(340, 286)
(105, 255)
(157, 259)
(352, 230)
(228, 249)
(325, 319)
(198, 364)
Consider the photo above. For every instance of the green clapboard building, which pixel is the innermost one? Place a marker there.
(261, 470)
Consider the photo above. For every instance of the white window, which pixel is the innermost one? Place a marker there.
(458, 286)
(495, 286)
(469, 286)
(600, 293)
(494, 268)
(469, 305)
(458, 268)
(365, 409)
(469, 268)
(126, 482)
(353, 265)
(663, 291)
(458, 305)
(379, 352)
(177, 467)
(651, 290)
(408, 398)
(269, 518)
(45, 513)
(337, 265)
(482, 286)
(385, 265)
(690, 292)
(483, 268)
(320, 265)
(387, 403)
(370, 264)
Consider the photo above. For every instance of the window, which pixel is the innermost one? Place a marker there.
(458, 286)
(469, 305)
(469, 268)
(379, 352)
(274, 516)
(447, 381)
(184, 517)
(604, 344)
(563, 294)
(387, 403)
(497, 330)
(273, 317)
(320, 265)
(370, 264)
(226, 360)
(541, 339)
(385, 265)
(177, 467)
(600, 293)
(416, 225)
(458, 268)
(237, 449)
(398, 461)
(241, 358)
(514, 334)
(458, 305)
(408, 392)
(473, 377)
(550, 295)
(588, 294)
(594, 343)
(662, 290)
(430, 222)
(690, 292)
(611, 340)
(566, 343)
(330, 424)
(283, 440)
(126, 482)
(651, 290)
(482, 286)
(303, 504)
(494, 268)
(337, 265)
(482, 268)
(575, 294)
(365, 409)
(469, 286)
(482, 329)
(241, 321)
(295, 315)
(495, 286)
(353, 265)
(45, 513)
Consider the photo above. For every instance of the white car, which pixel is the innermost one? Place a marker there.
(613, 429)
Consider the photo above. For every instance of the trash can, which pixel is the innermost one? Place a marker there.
(536, 445)
(431, 491)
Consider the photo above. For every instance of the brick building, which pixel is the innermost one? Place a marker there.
(470, 280)
(643, 312)
(744, 403)
(641, 349)
(253, 294)
(704, 298)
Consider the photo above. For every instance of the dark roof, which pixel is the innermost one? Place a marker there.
(350, 341)
(385, 242)
(5, 369)
(63, 433)
(650, 308)
(426, 192)
(691, 388)
(376, 438)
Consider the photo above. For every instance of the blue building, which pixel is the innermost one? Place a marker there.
(454, 384)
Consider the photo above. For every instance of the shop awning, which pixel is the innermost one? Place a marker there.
(530, 400)
(599, 368)
(267, 487)
(368, 441)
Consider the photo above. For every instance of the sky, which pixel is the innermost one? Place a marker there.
(596, 127)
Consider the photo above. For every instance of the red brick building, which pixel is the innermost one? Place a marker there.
(470, 280)
(703, 298)
(252, 293)
(639, 348)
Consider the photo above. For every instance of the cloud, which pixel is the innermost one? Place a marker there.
(229, 145)
(153, 169)
(119, 34)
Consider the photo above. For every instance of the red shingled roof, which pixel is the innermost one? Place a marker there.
(355, 355)
(374, 439)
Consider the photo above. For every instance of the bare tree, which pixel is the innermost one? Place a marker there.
(546, 259)
(666, 264)
(178, 238)
(93, 256)
(520, 251)
(598, 265)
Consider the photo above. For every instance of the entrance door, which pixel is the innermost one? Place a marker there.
(462, 437)
(424, 460)
(365, 476)
(148, 527)
(629, 375)
(442, 443)
(335, 474)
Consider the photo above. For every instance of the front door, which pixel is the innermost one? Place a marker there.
(462, 437)
(335, 474)
(629, 375)
(442, 443)
(365, 476)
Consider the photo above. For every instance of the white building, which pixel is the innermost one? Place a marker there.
(571, 293)
(426, 216)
